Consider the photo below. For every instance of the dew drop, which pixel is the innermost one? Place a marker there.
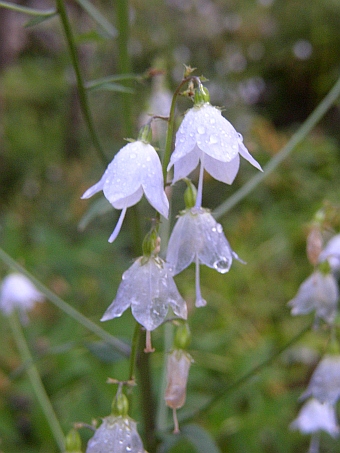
(213, 229)
(240, 136)
(212, 121)
(148, 159)
(219, 228)
(222, 265)
(201, 129)
(132, 155)
(213, 139)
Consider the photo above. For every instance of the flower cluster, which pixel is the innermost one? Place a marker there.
(320, 293)
(204, 138)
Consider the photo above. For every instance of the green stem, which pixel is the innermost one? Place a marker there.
(134, 350)
(26, 10)
(79, 78)
(36, 382)
(297, 138)
(124, 63)
(118, 345)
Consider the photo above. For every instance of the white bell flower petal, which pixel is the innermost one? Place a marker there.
(331, 253)
(205, 130)
(325, 381)
(318, 292)
(224, 171)
(148, 287)
(136, 169)
(116, 434)
(315, 416)
(196, 233)
(18, 292)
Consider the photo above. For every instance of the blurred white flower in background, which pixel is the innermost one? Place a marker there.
(17, 292)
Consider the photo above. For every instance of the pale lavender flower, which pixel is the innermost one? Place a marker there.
(197, 237)
(325, 381)
(205, 135)
(315, 416)
(136, 169)
(116, 434)
(331, 253)
(318, 292)
(18, 292)
(148, 287)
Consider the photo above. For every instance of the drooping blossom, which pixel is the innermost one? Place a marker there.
(135, 169)
(315, 416)
(197, 237)
(148, 287)
(18, 292)
(324, 384)
(205, 136)
(319, 293)
(117, 433)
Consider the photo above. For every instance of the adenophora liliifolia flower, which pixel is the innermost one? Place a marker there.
(206, 136)
(318, 292)
(117, 434)
(315, 416)
(325, 381)
(198, 238)
(148, 287)
(18, 292)
(135, 169)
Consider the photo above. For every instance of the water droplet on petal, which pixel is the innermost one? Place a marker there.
(201, 129)
(219, 228)
(222, 265)
(132, 155)
(213, 229)
(240, 136)
(212, 121)
(213, 139)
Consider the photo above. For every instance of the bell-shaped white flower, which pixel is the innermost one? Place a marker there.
(116, 434)
(331, 253)
(315, 416)
(318, 292)
(135, 169)
(148, 287)
(206, 136)
(18, 292)
(325, 381)
(197, 237)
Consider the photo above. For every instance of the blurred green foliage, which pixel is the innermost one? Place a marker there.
(269, 63)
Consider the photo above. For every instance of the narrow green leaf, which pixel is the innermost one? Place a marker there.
(111, 79)
(27, 10)
(97, 208)
(200, 439)
(113, 87)
(98, 17)
(38, 20)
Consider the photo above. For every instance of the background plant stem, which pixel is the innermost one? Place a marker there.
(36, 382)
(79, 78)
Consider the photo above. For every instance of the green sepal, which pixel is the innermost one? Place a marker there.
(190, 194)
(120, 405)
(182, 337)
(145, 134)
(73, 442)
(201, 95)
